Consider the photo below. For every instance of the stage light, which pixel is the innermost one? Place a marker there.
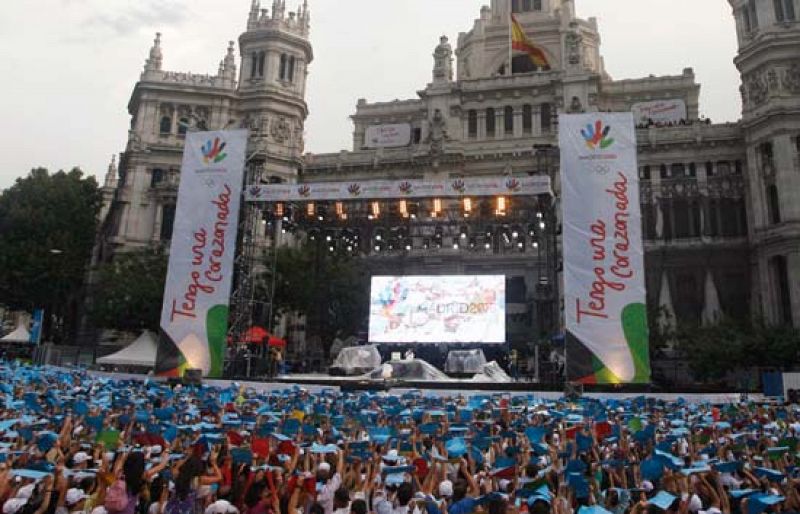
(542, 225)
(464, 232)
(437, 207)
(426, 243)
(489, 232)
(321, 212)
(310, 209)
(535, 243)
(455, 243)
(531, 230)
(487, 245)
(539, 215)
(331, 248)
(515, 232)
(279, 210)
(506, 235)
(376, 210)
(467, 207)
(379, 235)
(501, 206)
(312, 234)
(413, 209)
(521, 244)
(350, 248)
(404, 208)
(340, 211)
(473, 243)
(408, 246)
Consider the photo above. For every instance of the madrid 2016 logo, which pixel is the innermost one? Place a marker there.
(597, 136)
(212, 152)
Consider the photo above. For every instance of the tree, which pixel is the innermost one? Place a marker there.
(128, 292)
(47, 232)
(714, 352)
(332, 290)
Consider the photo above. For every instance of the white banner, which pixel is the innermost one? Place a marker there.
(391, 189)
(659, 111)
(388, 136)
(194, 316)
(604, 291)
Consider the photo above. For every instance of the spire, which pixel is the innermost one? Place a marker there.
(252, 19)
(278, 9)
(228, 66)
(111, 174)
(153, 63)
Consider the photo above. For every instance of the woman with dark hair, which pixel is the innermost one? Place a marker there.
(130, 469)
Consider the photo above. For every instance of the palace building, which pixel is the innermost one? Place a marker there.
(720, 202)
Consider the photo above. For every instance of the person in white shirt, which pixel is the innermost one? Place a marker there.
(330, 482)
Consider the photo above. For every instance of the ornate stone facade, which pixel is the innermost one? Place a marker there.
(712, 226)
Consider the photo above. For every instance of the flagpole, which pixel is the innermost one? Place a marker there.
(510, 40)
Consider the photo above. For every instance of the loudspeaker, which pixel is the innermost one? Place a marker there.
(193, 377)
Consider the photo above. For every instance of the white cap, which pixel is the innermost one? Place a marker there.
(711, 510)
(324, 466)
(221, 507)
(156, 449)
(100, 510)
(80, 457)
(74, 496)
(647, 486)
(391, 456)
(695, 503)
(503, 483)
(14, 505)
(446, 488)
(25, 491)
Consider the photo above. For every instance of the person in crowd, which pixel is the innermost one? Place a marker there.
(71, 443)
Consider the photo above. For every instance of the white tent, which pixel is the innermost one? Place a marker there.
(141, 352)
(19, 335)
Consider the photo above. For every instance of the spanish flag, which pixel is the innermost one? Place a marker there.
(521, 43)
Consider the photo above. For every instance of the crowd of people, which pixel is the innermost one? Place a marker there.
(72, 442)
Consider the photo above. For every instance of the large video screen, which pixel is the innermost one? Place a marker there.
(438, 309)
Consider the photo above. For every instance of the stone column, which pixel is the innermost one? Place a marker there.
(482, 124)
(465, 126)
(517, 121)
(537, 122)
(499, 123)
(157, 221)
(793, 268)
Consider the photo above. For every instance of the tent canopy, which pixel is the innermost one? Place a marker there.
(19, 335)
(141, 352)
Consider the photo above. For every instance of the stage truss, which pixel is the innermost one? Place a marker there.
(390, 220)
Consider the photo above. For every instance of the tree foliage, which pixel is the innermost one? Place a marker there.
(47, 232)
(735, 345)
(128, 291)
(332, 290)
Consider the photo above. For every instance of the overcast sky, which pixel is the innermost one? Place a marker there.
(68, 66)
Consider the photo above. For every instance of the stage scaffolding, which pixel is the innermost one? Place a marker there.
(389, 220)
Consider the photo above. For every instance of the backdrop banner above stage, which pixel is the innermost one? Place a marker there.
(194, 316)
(391, 189)
(604, 292)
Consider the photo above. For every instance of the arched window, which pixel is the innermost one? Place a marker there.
(780, 272)
(284, 65)
(490, 121)
(291, 68)
(472, 123)
(547, 118)
(508, 119)
(183, 126)
(773, 203)
(254, 65)
(262, 57)
(165, 126)
(167, 222)
(527, 119)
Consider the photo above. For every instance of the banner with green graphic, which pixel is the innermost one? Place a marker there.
(604, 286)
(194, 316)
